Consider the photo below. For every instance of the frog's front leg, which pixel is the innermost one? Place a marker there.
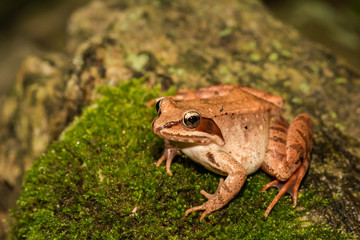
(288, 155)
(169, 154)
(227, 189)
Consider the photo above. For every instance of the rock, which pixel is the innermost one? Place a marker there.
(190, 45)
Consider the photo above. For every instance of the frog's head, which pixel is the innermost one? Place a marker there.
(182, 122)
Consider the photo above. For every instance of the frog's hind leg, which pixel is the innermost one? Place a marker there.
(288, 156)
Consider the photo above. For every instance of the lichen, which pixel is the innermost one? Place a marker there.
(100, 181)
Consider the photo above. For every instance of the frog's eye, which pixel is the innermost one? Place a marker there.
(191, 119)
(158, 110)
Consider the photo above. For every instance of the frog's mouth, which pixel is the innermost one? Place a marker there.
(185, 138)
(177, 132)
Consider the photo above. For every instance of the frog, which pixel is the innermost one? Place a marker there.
(234, 131)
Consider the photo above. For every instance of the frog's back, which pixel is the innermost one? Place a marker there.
(234, 103)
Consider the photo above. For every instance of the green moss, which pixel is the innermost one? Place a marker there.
(286, 53)
(252, 44)
(277, 45)
(273, 57)
(340, 80)
(138, 61)
(225, 32)
(255, 57)
(100, 181)
(304, 88)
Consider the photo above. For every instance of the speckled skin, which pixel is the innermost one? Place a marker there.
(240, 130)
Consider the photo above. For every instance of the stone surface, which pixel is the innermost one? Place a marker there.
(190, 45)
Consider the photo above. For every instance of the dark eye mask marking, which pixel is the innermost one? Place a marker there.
(209, 126)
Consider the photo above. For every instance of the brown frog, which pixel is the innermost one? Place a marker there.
(233, 131)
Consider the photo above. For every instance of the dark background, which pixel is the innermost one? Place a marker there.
(29, 27)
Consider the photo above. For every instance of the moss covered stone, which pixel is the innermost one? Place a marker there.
(189, 44)
(100, 181)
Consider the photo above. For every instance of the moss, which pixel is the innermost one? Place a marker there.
(255, 57)
(273, 57)
(100, 181)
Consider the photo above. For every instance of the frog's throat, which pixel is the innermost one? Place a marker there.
(207, 126)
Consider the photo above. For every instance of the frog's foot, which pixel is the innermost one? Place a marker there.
(223, 194)
(169, 154)
(291, 186)
(213, 204)
(204, 207)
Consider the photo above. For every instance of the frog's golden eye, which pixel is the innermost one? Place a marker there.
(158, 109)
(191, 119)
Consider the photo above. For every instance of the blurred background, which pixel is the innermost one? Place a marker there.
(30, 27)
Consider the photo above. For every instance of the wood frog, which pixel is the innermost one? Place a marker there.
(234, 131)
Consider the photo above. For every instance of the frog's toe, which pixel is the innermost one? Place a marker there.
(290, 186)
(209, 207)
(201, 207)
(282, 190)
(169, 154)
(161, 159)
(207, 195)
(274, 183)
(168, 159)
(197, 208)
(203, 215)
